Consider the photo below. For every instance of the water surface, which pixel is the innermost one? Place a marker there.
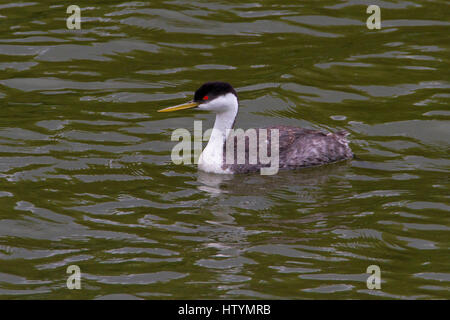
(85, 171)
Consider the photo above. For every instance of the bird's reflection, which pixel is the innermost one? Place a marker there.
(255, 184)
(229, 194)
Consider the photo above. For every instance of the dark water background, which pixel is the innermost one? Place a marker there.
(85, 171)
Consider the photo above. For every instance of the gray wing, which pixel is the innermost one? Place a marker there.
(298, 148)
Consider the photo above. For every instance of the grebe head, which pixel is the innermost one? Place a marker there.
(217, 97)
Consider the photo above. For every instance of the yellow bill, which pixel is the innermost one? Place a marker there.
(183, 106)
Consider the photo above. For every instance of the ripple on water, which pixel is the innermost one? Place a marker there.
(86, 176)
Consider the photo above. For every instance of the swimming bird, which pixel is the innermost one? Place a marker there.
(297, 147)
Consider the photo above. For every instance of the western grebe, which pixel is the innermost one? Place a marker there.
(297, 147)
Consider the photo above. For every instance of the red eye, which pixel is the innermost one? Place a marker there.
(205, 98)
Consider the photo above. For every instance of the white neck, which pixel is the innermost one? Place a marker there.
(211, 159)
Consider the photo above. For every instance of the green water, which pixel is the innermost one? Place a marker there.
(86, 177)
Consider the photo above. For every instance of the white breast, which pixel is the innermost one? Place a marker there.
(211, 159)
